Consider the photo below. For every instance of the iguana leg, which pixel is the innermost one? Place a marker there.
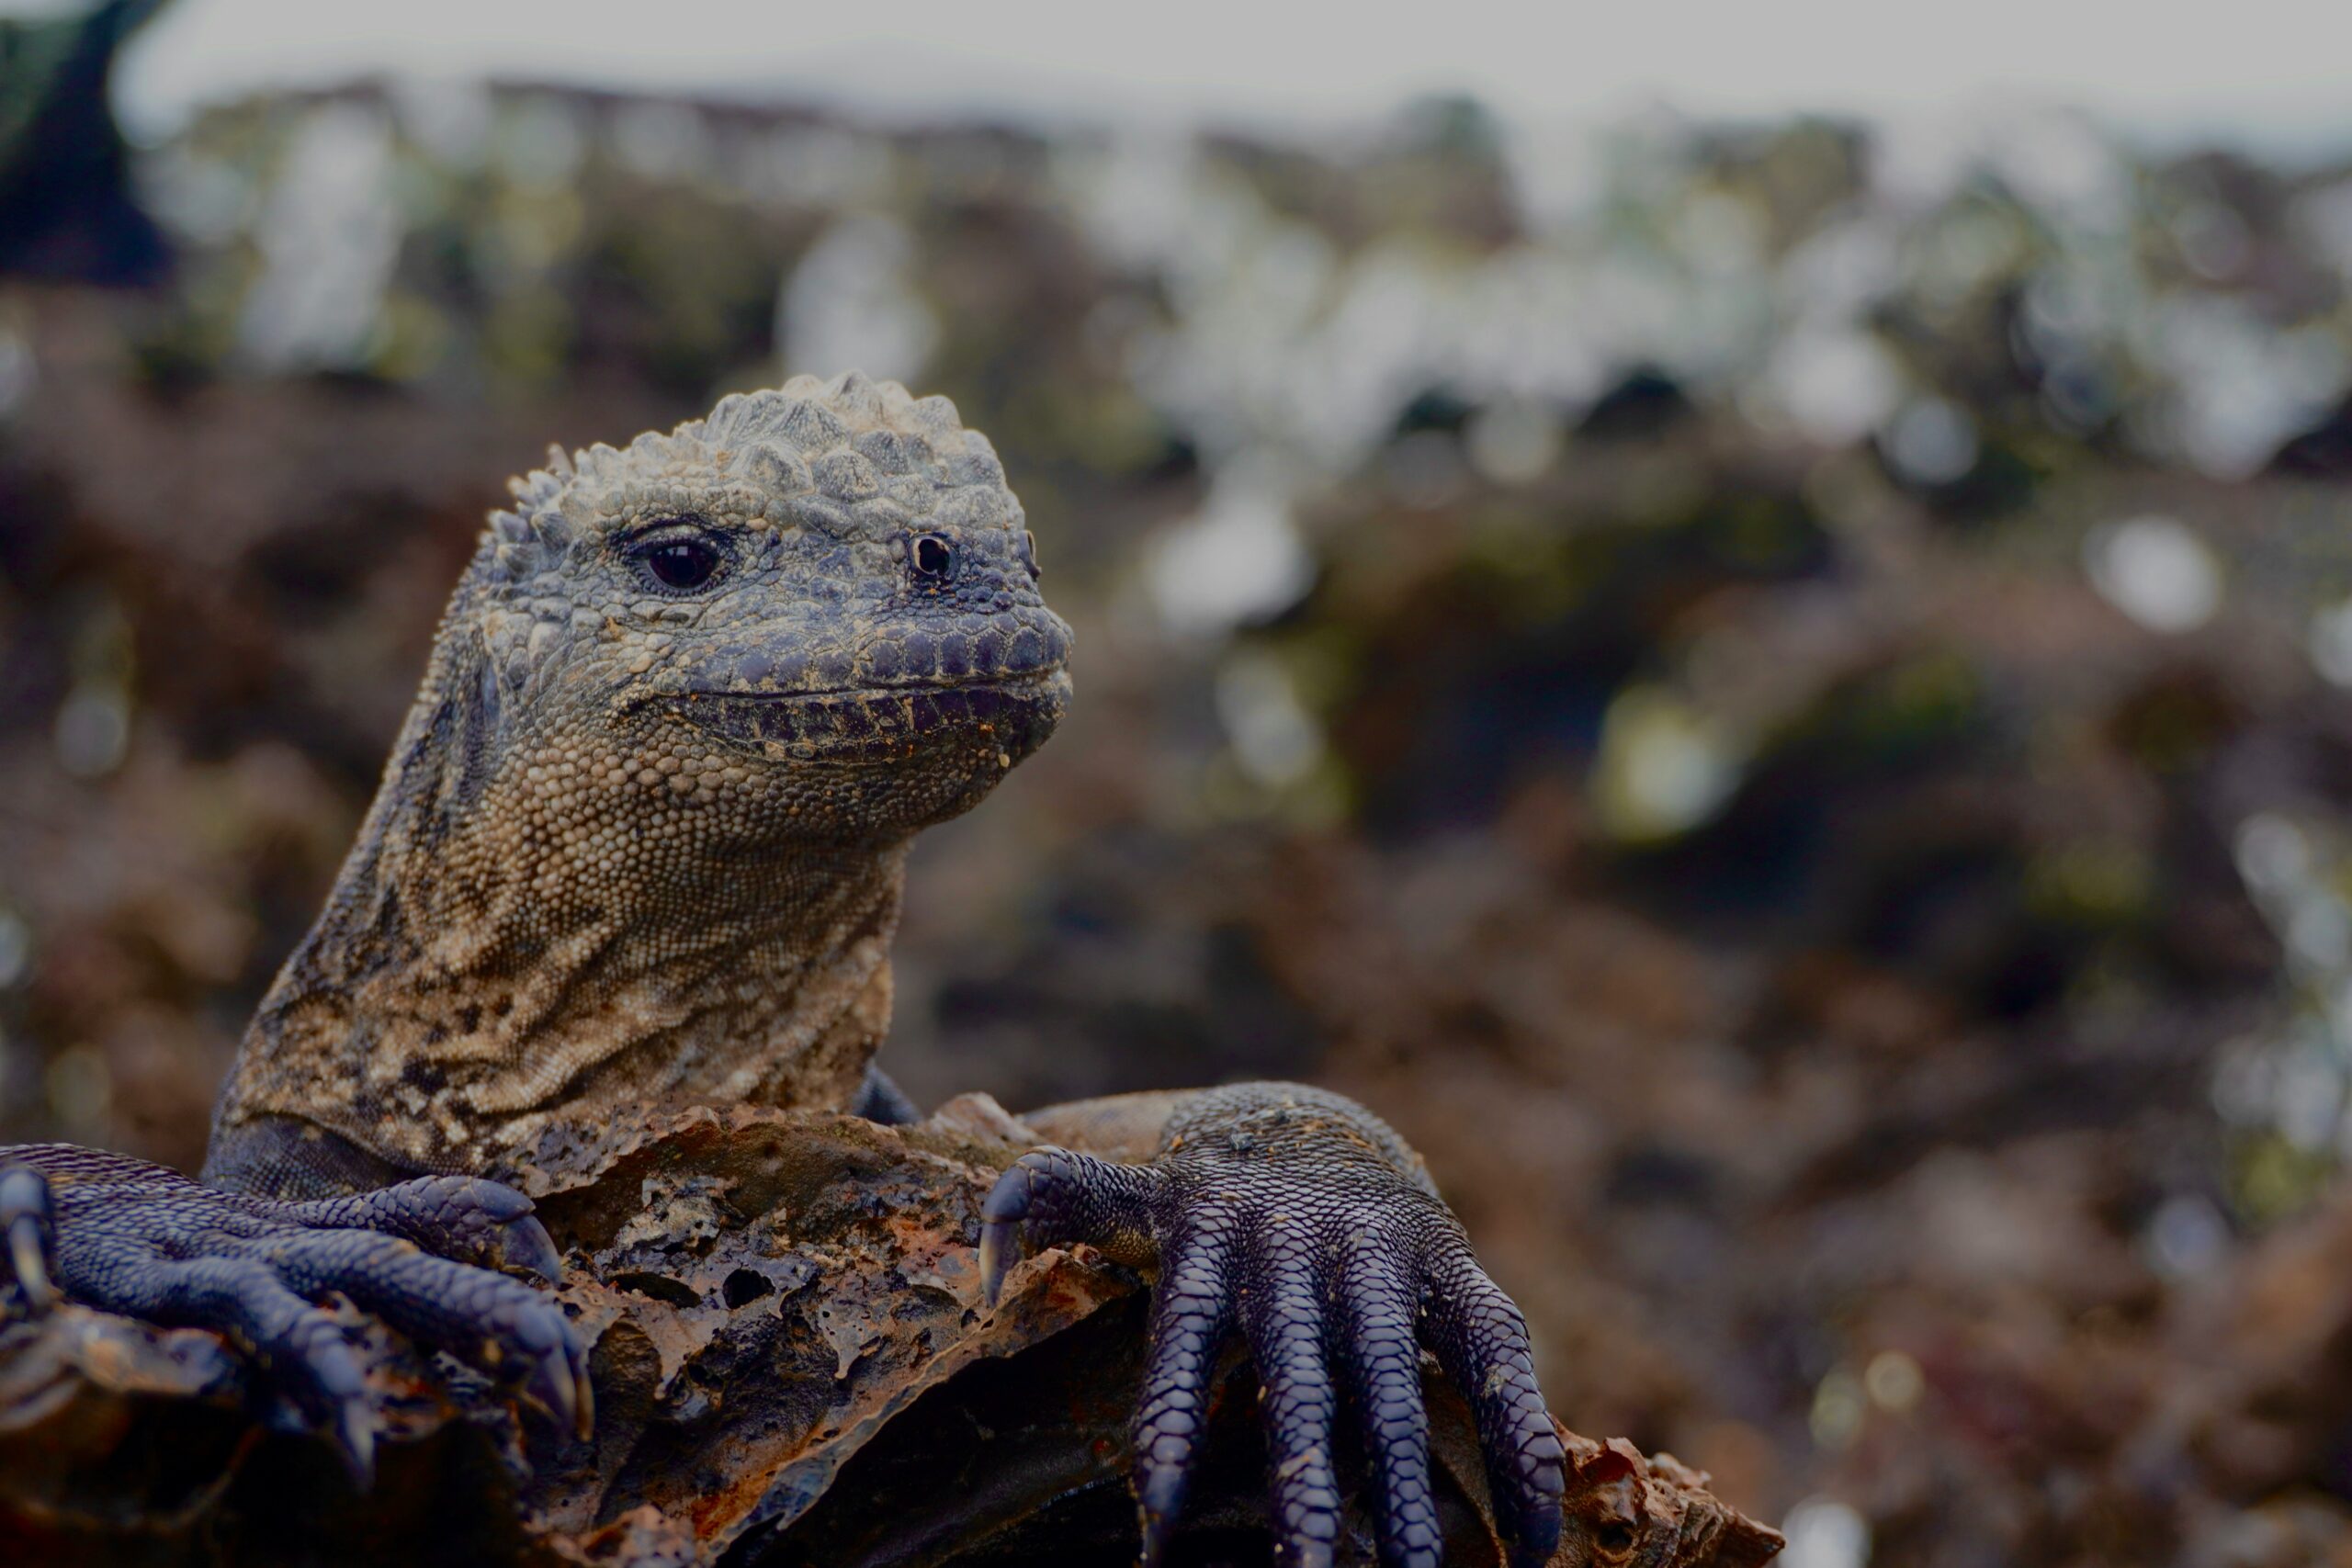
(1304, 1221)
(881, 1101)
(127, 1236)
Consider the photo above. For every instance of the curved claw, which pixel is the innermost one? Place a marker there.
(558, 1380)
(27, 1219)
(524, 1246)
(1053, 1196)
(353, 1438)
(1002, 1212)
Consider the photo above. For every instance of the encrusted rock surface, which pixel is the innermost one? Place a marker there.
(768, 1293)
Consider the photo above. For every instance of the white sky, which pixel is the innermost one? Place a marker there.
(2277, 70)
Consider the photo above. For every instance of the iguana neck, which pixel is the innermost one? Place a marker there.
(530, 939)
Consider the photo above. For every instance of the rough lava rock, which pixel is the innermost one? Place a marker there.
(768, 1293)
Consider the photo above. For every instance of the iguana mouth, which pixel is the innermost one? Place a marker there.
(1008, 717)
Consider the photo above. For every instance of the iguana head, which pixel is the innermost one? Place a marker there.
(642, 838)
(813, 614)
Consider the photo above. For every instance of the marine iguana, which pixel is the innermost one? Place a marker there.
(641, 843)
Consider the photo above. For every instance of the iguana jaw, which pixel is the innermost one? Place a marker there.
(887, 726)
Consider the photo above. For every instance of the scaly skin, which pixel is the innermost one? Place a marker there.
(642, 844)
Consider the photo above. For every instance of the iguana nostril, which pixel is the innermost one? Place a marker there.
(933, 556)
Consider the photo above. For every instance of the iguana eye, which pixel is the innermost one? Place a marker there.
(681, 563)
(933, 556)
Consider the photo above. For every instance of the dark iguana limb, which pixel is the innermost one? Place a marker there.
(1301, 1220)
(149, 1243)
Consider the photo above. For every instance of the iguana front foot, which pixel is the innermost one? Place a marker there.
(126, 1236)
(1304, 1220)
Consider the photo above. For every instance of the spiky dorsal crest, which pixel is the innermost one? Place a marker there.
(851, 457)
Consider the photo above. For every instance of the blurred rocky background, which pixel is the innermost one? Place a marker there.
(1779, 696)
